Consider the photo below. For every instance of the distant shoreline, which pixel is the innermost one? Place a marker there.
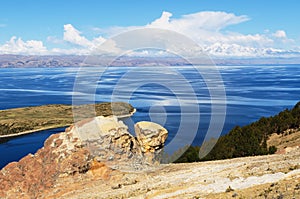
(53, 61)
(126, 115)
(30, 131)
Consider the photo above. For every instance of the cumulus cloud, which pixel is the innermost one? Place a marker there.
(283, 41)
(18, 46)
(163, 21)
(73, 36)
(207, 29)
(280, 34)
(212, 21)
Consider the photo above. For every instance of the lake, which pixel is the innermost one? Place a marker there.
(251, 92)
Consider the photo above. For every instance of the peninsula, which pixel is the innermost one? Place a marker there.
(19, 121)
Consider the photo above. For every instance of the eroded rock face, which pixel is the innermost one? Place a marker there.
(151, 137)
(62, 155)
(82, 147)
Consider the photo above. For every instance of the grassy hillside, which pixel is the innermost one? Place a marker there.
(249, 140)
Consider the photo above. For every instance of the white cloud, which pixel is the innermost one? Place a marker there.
(18, 46)
(212, 21)
(2, 25)
(282, 41)
(163, 21)
(208, 29)
(80, 44)
(280, 34)
(107, 47)
(73, 36)
(54, 40)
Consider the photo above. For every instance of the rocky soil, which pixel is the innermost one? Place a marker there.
(275, 176)
(286, 142)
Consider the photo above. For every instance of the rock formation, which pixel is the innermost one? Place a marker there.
(150, 136)
(100, 142)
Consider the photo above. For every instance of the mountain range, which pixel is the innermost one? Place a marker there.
(23, 61)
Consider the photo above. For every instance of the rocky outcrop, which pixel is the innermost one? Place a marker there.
(151, 137)
(62, 155)
(98, 145)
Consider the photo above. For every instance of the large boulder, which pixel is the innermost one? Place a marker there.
(151, 137)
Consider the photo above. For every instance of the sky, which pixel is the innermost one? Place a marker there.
(222, 28)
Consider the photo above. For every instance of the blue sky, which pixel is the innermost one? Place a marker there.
(44, 21)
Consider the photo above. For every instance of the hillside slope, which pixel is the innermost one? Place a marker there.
(263, 177)
(66, 168)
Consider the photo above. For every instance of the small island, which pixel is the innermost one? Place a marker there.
(19, 121)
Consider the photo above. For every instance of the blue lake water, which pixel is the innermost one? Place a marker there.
(251, 91)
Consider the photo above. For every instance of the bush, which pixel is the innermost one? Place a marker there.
(272, 149)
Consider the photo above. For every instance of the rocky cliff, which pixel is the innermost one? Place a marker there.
(92, 147)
